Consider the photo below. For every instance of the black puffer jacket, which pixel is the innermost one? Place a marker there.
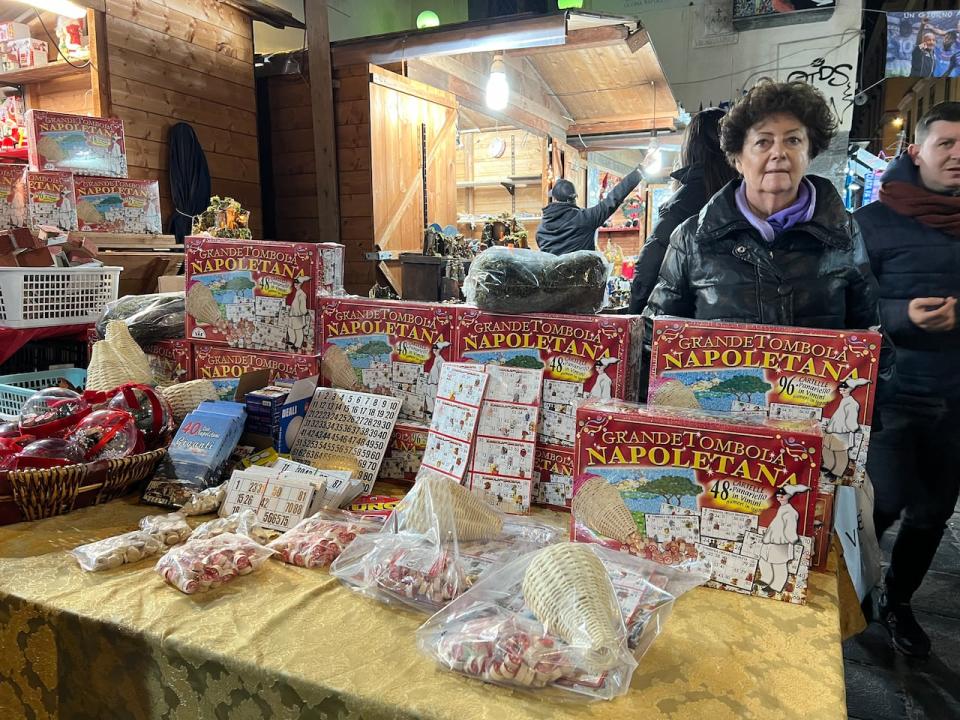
(816, 274)
(913, 260)
(687, 201)
(566, 228)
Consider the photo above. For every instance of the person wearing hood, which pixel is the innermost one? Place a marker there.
(913, 239)
(777, 247)
(705, 171)
(566, 228)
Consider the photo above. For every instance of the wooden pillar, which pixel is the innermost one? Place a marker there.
(324, 134)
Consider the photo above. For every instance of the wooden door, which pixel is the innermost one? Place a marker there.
(410, 120)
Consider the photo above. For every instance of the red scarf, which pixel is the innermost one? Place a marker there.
(940, 212)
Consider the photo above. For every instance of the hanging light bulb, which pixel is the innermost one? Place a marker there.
(60, 7)
(498, 89)
(653, 160)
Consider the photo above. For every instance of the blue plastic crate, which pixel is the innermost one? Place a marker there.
(15, 389)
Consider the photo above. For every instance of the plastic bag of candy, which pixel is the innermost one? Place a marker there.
(243, 523)
(317, 541)
(205, 501)
(171, 529)
(204, 565)
(570, 619)
(118, 550)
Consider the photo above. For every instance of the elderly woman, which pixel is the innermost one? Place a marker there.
(778, 246)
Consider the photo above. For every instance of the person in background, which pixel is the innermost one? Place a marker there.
(566, 228)
(703, 172)
(777, 247)
(924, 59)
(913, 238)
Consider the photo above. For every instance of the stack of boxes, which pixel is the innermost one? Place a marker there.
(264, 410)
(18, 51)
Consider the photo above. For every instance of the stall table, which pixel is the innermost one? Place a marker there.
(293, 643)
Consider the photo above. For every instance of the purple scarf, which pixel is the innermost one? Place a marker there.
(800, 211)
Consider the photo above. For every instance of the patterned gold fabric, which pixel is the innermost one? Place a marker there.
(293, 643)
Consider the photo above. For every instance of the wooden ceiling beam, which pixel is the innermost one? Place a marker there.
(603, 126)
(579, 40)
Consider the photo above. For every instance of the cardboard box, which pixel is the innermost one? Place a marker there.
(14, 31)
(332, 255)
(783, 372)
(393, 347)
(24, 53)
(170, 359)
(224, 366)
(405, 452)
(252, 295)
(553, 476)
(593, 357)
(171, 283)
(672, 485)
(76, 143)
(12, 206)
(118, 205)
(49, 199)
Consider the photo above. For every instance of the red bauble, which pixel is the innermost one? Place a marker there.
(47, 453)
(152, 412)
(107, 435)
(52, 411)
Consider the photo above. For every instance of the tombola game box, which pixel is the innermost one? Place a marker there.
(786, 373)
(674, 485)
(253, 295)
(76, 143)
(583, 357)
(117, 205)
(404, 453)
(224, 366)
(390, 347)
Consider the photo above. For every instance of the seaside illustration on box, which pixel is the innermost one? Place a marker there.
(675, 486)
(782, 372)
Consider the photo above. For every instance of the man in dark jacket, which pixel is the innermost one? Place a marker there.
(566, 228)
(924, 58)
(913, 239)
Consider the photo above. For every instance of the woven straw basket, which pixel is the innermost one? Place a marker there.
(39, 494)
(185, 397)
(118, 335)
(568, 589)
(439, 502)
(108, 368)
(599, 506)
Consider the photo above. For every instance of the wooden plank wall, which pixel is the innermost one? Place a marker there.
(190, 61)
(70, 93)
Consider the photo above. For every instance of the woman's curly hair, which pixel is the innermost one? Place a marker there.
(799, 99)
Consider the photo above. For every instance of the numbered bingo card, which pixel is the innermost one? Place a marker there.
(455, 415)
(279, 501)
(347, 429)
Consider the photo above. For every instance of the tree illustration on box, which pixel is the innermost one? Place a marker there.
(672, 488)
(374, 347)
(741, 387)
(523, 361)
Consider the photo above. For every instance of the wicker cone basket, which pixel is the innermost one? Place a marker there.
(118, 335)
(336, 369)
(568, 589)
(107, 369)
(202, 306)
(599, 506)
(674, 393)
(439, 502)
(184, 398)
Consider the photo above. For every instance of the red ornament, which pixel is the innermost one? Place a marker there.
(107, 435)
(48, 453)
(51, 412)
(150, 410)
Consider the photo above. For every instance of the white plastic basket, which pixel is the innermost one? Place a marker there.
(38, 297)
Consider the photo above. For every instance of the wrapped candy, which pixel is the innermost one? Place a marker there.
(317, 541)
(118, 550)
(47, 453)
(171, 529)
(107, 435)
(52, 411)
(205, 501)
(150, 410)
(203, 565)
(597, 611)
(243, 523)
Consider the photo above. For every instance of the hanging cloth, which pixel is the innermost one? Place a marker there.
(189, 179)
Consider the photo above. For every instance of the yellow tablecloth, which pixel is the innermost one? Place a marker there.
(293, 643)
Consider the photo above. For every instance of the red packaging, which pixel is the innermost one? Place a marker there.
(49, 199)
(332, 255)
(404, 453)
(388, 347)
(784, 372)
(583, 356)
(224, 366)
(170, 360)
(252, 294)
(553, 475)
(673, 485)
(117, 205)
(76, 143)
(11, 196)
